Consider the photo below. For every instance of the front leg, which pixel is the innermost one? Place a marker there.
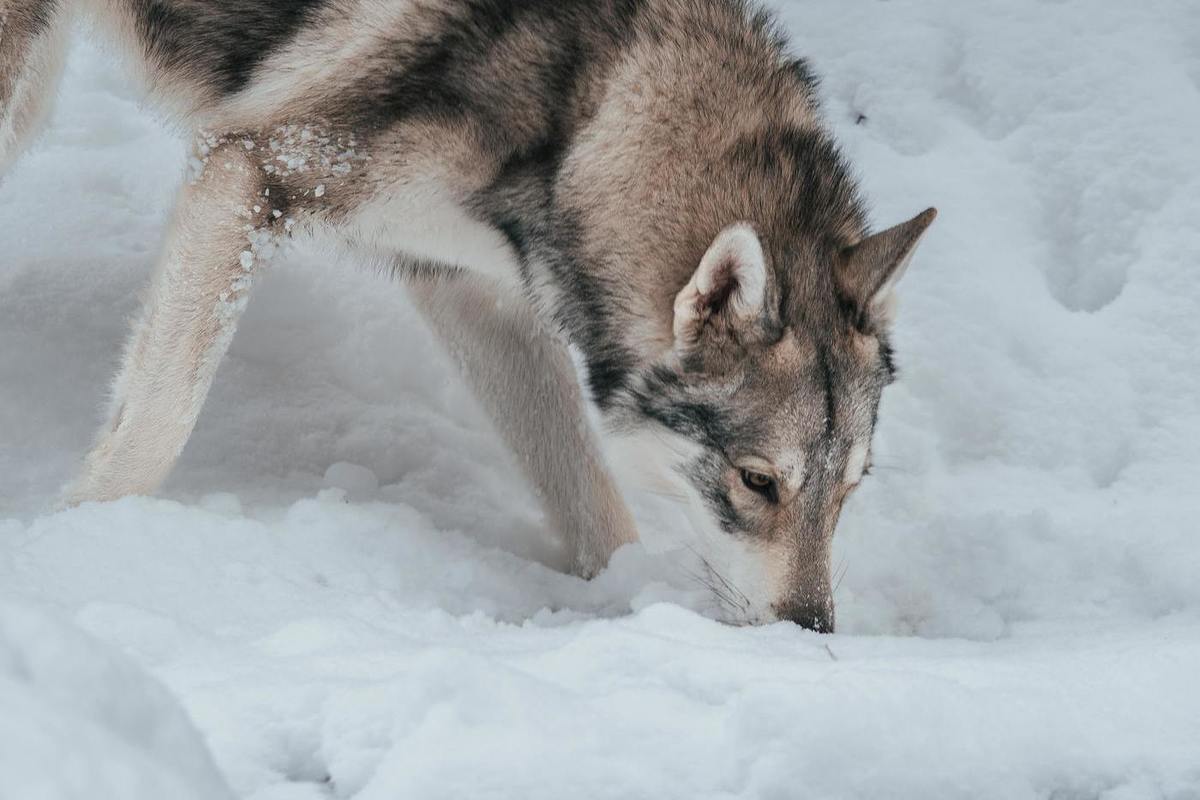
(524, 379)
(221, 230)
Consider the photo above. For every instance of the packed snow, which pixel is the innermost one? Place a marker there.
(345, 590)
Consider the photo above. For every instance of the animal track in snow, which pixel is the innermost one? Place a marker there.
(1088, 262)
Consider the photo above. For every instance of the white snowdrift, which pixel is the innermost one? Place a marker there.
(77, 720)
(352, 595)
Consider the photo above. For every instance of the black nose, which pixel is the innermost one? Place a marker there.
(814, 616)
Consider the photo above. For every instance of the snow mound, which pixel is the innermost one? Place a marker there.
(77, 720)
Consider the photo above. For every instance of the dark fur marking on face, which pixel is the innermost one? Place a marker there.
(826, 373)
(706, 474)
(664, 397)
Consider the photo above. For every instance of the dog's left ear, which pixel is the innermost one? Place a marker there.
(868, 271)
(727, 293)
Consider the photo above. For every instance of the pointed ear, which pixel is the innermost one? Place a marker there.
(868, 271)
(728, 290)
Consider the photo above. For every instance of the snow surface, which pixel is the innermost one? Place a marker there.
(345, 591)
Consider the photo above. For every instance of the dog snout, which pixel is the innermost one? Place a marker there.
(813, 616)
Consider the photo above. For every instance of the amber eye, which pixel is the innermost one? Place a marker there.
(759, 482)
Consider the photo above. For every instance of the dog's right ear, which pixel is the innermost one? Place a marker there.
(728, 291)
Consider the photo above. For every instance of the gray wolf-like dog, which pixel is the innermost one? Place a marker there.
(647, 181)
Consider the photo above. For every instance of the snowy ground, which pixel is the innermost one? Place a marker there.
(1020, 613)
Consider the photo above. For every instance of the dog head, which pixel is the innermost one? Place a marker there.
(766, 404)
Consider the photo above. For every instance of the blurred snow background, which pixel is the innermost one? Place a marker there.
(345, 591)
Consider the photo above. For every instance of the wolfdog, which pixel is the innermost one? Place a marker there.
(648, 181)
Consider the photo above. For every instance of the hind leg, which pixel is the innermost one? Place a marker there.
(222, 228)
(33, 38)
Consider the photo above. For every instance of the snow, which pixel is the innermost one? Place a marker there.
(346, 591)
(78, 720)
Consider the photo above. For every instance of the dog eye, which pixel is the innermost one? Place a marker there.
(759, 482)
